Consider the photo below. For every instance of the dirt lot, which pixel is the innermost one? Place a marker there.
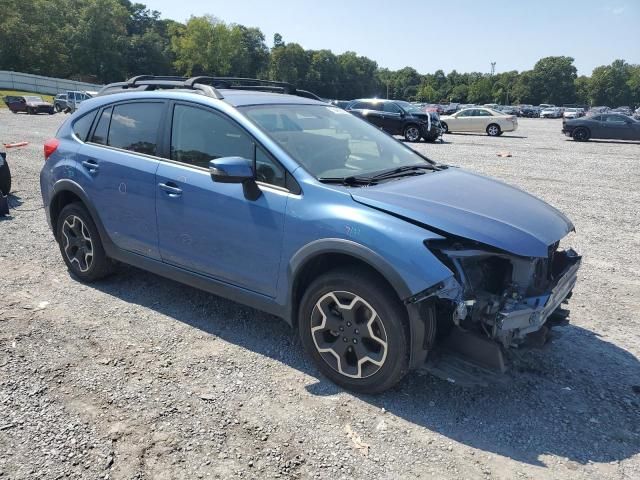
(141, 377)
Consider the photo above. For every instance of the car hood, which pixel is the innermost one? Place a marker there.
(474, 207)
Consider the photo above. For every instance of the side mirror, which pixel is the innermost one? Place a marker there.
(235, 170)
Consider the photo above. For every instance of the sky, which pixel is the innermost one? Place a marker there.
(465, 35)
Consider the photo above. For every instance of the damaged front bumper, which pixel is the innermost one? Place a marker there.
(500, 296)
(528, 315)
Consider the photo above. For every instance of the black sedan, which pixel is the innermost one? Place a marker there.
(606, 125)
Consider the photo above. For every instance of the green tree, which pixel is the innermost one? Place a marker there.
(99, 40)
(609, 84)
(553, 80)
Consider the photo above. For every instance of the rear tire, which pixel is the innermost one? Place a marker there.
(354, 328)
(581, 134)
(493, 130)
(445, 127)
(80, 244)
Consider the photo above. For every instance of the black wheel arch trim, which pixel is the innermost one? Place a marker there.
(66, 185)
(300, 259)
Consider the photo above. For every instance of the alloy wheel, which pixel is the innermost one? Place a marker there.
(493, 130)
(412, 134)
(349, 334)
(78, 246)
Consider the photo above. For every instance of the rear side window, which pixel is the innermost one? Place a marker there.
(134, 127)
(82, 126)
(102, 128)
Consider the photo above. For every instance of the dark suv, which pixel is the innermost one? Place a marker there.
(398, 118)
(375, 253)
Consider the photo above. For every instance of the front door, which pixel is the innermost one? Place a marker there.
(209, 227)
(118, 165)
(392, 118)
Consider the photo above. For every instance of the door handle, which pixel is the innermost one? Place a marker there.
(91, 165)
(171, 189)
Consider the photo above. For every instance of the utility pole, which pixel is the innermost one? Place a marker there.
(493, 68)
(387, 90)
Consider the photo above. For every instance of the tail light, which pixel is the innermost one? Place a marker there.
(50, 146)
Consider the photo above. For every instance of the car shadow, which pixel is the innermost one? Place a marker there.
(504, 135)
(620, 142)
(578, 399)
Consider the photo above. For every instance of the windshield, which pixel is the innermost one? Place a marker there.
(331, 143)
(33, 98)
(409, 107)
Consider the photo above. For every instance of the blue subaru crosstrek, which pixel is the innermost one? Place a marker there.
(255, 191)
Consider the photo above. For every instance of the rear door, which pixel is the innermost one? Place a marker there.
(119, 163)
(209, 227)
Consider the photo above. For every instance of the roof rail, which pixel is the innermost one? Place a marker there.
(204, 84)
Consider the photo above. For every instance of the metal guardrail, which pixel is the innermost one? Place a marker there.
(39, 84)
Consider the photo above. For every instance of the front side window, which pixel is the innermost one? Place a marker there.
(134, 127)
(615, 119)
(390, 107)
(198, 136)
(329, 142)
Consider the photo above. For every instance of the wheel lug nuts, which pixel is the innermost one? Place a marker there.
(356, 331)
(355, 340)
(342, 329)
(344, 339)
(348, 324)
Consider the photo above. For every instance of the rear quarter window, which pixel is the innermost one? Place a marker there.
(82, 125)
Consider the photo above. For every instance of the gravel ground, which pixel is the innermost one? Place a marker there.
(141, 377)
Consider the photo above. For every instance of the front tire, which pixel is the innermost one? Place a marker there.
(355, 330)
(445, 127)
(412, 133)
(58, 108)
(581, 134)
(493, 130)
(80, 244)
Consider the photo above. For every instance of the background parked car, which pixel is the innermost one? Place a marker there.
(573, 112)
(606, 125)
(551, 112)
(397, 117)
(343, 104)
(529, 111)
(60, 102)
(75, 98)
(479, 119)
(30, 104)
(623, 110)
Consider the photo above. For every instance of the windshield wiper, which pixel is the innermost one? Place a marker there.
(402, 171)
(350, 181)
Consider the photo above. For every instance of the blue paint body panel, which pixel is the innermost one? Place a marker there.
(211, 236)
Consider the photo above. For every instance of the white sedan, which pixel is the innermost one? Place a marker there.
(478, 120)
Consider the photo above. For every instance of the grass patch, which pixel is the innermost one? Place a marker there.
(4, 93)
